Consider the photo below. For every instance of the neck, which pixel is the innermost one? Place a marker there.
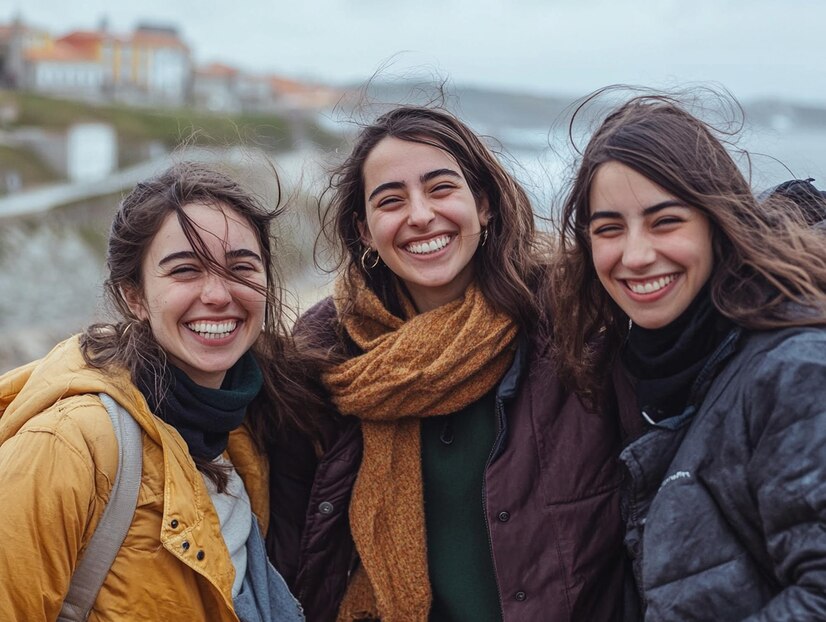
(429, 298)
(205, 416)
(667, 360)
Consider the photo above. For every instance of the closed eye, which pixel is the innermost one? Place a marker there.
(245, 267)
(184, 270)
(443, 187)
(388, 201)
(668, 220)
(606, 229)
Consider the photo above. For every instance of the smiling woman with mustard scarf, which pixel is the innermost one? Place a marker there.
(459, 479)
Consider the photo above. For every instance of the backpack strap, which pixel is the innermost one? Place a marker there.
(117, 517)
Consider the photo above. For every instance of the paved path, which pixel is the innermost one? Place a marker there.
(290, 164)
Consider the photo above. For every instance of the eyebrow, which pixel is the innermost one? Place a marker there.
(397, 185)
(236, 254)
(646, 212)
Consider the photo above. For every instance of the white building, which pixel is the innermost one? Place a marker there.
(214, 88)
(160, 64)
(63, 69)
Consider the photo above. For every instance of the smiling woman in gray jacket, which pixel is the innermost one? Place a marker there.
(712, 308)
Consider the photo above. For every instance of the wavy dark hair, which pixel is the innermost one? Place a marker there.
(765, 255)
(508, 267)
(286, 400)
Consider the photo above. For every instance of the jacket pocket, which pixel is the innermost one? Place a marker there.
(577, 451)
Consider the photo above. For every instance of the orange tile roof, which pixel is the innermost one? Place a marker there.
(83, 36)
(60, 52)
(84, 42)
(217, 70)
(157, 40)
(286, 85)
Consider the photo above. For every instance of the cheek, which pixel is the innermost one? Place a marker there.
(154, 305)
(708, 257)
(706, 265)
(382, 231)
(602, 258)
(251, 298)
(696, 256)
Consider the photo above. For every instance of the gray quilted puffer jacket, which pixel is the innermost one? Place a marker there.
(726, 503)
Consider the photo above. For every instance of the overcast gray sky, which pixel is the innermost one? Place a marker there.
(755, 48)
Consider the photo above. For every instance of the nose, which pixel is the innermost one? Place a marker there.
(215, 290)
(639, 251)
(420, 211)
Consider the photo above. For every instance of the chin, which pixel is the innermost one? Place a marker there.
(653, 323)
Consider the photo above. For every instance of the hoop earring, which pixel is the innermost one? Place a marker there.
(484, 236)
(364, 257)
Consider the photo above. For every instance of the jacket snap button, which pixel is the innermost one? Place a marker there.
(185, 545)
(325, 507)
(200, 555)
(504, 517)
(521, 596)
(174, 523)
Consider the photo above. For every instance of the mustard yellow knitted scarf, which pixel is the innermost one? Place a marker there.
(434, 363)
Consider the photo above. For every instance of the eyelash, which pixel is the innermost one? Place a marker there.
(668, 220)
(443, 186)
(387, 201)
(605, 229)
(182, 270)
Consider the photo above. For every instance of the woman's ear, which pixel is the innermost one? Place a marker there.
(364, 233)
(134, 300)
(484, 211)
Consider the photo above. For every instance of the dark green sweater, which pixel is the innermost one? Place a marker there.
(455, 450)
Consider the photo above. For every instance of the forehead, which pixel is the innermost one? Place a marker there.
(619, 188)
(394, 159)
(219, 226)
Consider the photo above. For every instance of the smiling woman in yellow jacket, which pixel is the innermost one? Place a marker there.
(190, 272)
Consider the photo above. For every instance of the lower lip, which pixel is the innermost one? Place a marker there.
(430, 255)
(651, 296)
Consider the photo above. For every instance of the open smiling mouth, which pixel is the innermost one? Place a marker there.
(213, 330)
(429, 246)
(649, 287)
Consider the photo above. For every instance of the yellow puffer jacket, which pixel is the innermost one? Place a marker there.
(58, 459)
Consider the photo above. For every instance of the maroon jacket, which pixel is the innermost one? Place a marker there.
(551, 493)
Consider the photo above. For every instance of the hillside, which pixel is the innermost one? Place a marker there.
(494, 109)
(138, 129)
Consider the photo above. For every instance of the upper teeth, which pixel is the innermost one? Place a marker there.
(213, 329)
(430, 246)
(651, 286)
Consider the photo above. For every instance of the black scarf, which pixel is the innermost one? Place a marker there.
(204, 417)
(666, 361)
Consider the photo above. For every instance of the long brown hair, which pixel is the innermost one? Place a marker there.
(765, 257)
(508, 266)
(286, 399)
